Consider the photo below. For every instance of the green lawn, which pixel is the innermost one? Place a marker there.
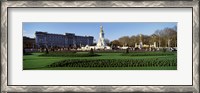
(36, 62)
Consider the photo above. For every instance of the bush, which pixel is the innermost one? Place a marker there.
(69, 54)
(91, 51)
(164, 49)
(27, 53)
(47, 52)
(127, 50)
(148, 54)
(150, 62)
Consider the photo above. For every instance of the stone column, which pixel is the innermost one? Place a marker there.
(154, 44)
(135, 45)
(169, 43)
(141, 45)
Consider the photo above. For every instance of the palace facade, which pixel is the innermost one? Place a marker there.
(44, 39)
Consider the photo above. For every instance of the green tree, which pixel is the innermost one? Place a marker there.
(47, 51)
(107, 41)
(124, 40)
(91, 51)
(116, 43)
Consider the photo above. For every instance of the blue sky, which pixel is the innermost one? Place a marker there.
(112, 30)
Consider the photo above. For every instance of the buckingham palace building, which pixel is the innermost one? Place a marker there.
(44, 39)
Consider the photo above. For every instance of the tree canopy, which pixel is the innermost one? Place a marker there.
(166, 37)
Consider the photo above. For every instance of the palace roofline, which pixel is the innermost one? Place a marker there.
(41, 32)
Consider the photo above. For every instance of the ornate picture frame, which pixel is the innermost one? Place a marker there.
(5, 5)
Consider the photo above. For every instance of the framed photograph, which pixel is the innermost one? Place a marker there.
(100, 46)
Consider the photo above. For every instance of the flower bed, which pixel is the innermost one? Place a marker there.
(150, 62)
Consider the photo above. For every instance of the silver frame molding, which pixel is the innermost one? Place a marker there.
(182, 4)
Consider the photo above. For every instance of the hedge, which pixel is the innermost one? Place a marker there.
(149, 54)
(69, 54)
(150, 62)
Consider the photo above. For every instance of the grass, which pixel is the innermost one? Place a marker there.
(149, 54)
(106, 68)
(150, 62)
(69, 54)
(37, 62)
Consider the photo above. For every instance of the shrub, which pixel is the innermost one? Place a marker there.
(27, 53)
(148, 54)
(91, 51)
(47, 52)
(69, 54)
(164, 49)
(127, 50)
(150, 62)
